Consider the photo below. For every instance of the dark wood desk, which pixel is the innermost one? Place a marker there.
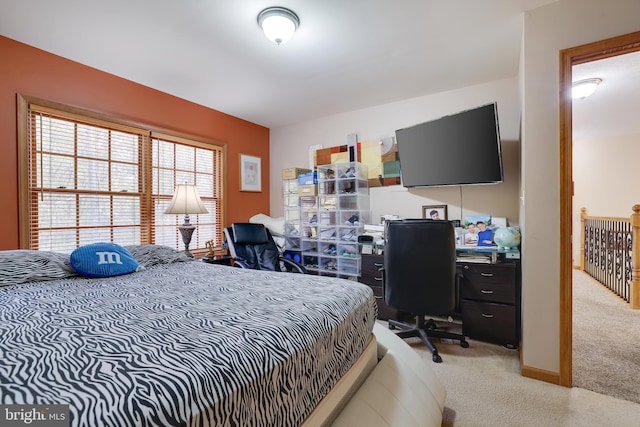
(371, 275)
(489, 298)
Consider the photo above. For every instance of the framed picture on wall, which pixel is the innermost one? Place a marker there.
(435, 212)
(250, 173)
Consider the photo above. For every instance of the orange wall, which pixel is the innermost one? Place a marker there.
(37, 73)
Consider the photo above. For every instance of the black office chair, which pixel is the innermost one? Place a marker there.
(251, 246)
(420, 277)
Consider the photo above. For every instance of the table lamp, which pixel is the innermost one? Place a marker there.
(186, 200)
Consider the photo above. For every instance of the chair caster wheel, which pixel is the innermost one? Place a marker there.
(464, 344)
(436, 358)
(391, 327)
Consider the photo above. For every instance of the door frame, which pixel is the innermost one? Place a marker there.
(568, 58)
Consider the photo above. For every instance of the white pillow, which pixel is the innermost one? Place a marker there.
(275, 225)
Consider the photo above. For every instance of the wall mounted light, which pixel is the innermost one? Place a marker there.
(278, 24)
(583, 88)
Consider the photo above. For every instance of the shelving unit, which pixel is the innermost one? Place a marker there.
(330, 222)
(292, 212)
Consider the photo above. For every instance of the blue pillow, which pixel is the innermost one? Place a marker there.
(102, 260)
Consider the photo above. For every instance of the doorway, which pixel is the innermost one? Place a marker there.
(568, 58)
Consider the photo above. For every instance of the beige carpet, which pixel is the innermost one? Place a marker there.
(606, 341)
(485, 388)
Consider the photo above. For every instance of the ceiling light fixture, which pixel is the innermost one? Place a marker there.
(583, 88)
(278, 24)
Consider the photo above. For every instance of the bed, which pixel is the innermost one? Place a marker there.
(176, 342)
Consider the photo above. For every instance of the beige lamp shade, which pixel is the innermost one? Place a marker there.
(186, 200)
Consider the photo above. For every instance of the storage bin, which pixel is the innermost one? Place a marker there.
(308, 190)
(308, 178)
(292, 173)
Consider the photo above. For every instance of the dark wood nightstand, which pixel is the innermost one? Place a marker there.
(219, 259)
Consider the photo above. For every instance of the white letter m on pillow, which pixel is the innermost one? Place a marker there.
(108, 258)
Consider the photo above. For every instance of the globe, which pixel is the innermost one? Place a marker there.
(507, 238)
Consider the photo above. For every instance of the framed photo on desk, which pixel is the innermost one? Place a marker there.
(435, 212)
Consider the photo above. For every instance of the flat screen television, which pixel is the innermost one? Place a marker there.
(459, 149)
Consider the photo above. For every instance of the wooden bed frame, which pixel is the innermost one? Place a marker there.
(390, 385)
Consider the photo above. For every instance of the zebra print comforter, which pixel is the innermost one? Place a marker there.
(182, 344)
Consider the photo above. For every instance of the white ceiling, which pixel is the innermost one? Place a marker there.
(346, 55)
(614, 109)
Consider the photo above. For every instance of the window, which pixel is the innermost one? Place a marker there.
(174, 163)
(87, 178)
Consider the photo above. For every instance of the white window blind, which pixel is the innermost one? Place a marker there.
(91, 180)
(176, 162)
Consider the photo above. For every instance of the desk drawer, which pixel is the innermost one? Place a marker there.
(371, 275)
(370, 266)
(504, 293)
(489, 273)
(490, 322)
(489, 283)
